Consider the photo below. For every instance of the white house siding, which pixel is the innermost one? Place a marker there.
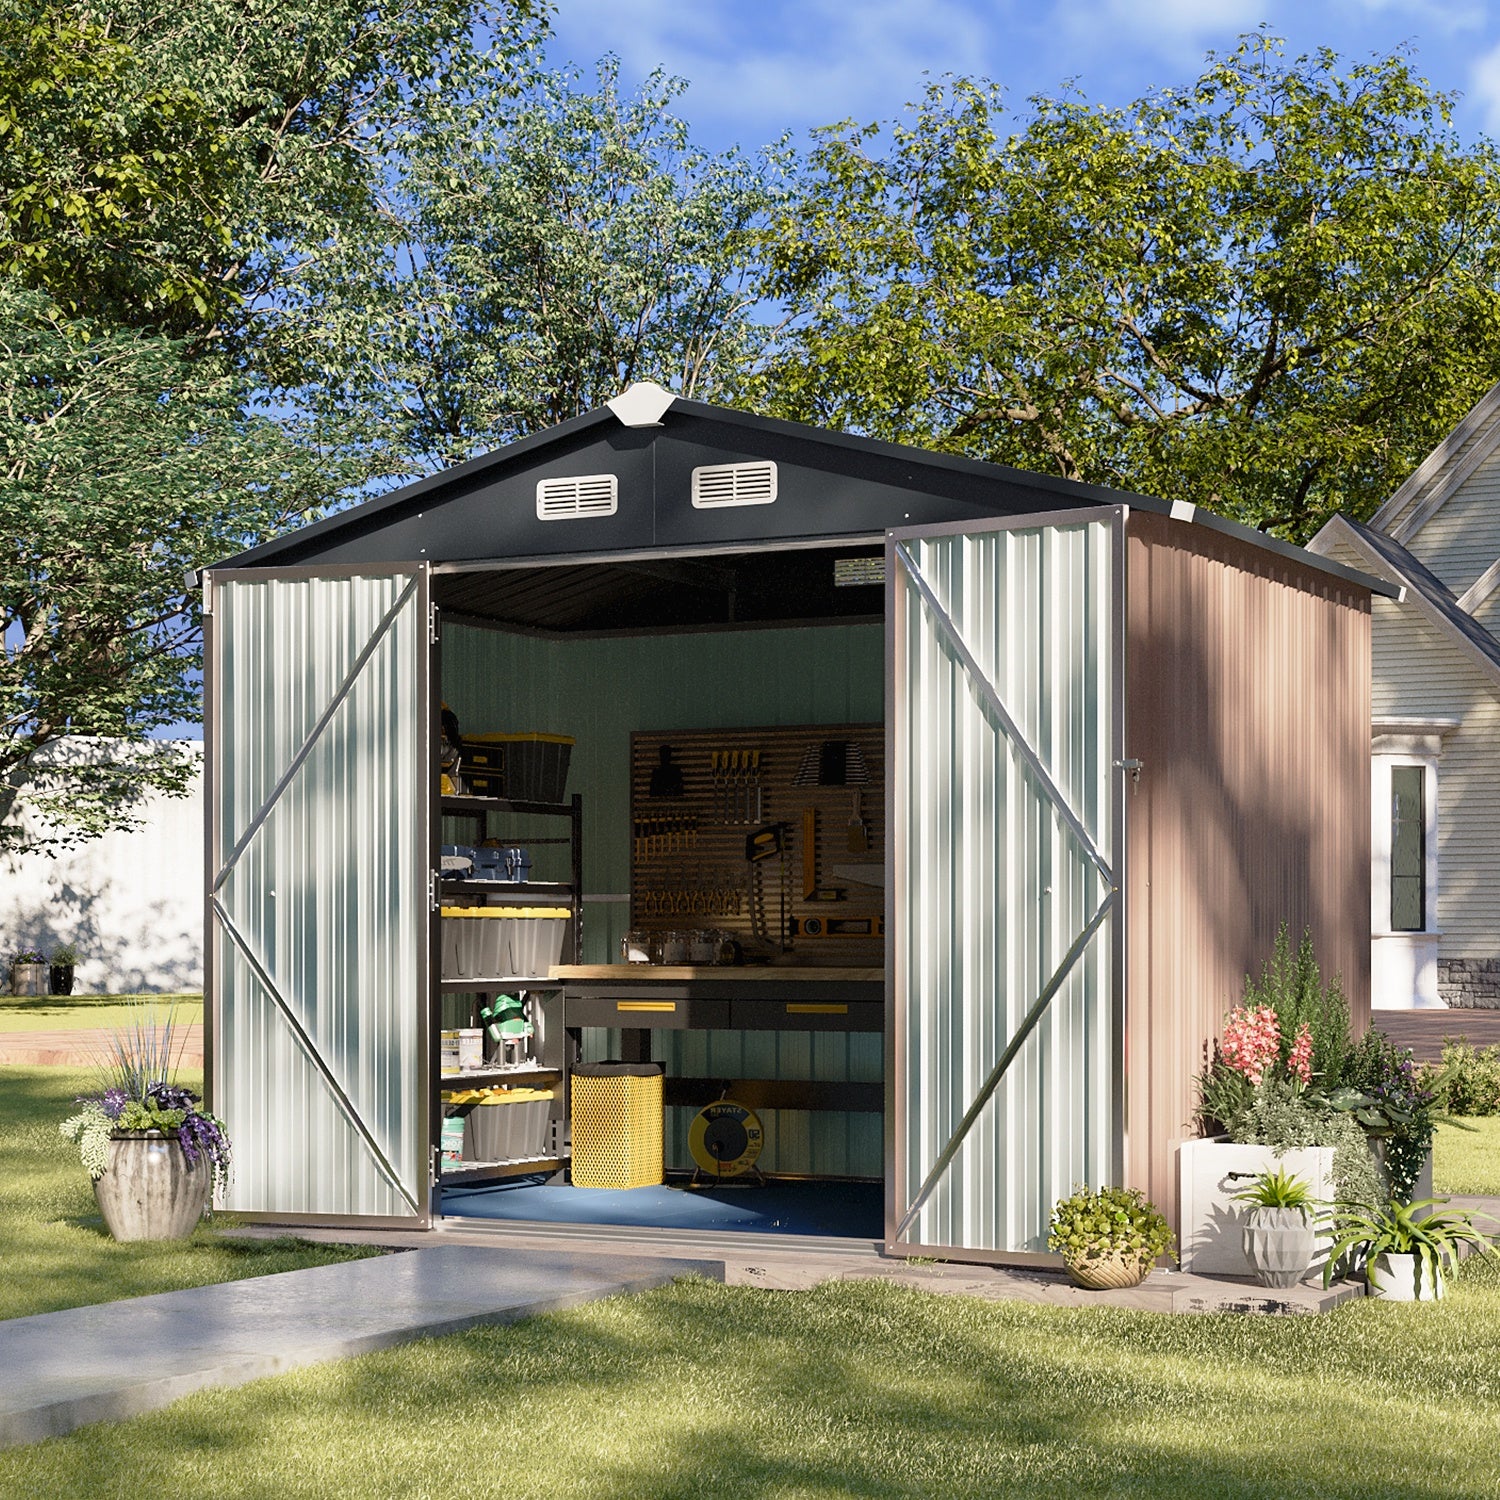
(1422, 674)
(1463, 538)
(131, 902)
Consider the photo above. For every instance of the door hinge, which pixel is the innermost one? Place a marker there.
(434, 902)
(434, 625)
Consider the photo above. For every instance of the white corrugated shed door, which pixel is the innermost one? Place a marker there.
(318, 810)
(1004, 960)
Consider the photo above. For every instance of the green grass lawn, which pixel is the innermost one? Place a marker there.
(78, 1012)
(854, 1389)
(54, 1249)
(700, 1392)
(1467, 1161)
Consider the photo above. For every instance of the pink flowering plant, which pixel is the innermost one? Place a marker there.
(1290, 1032)
(1286, 1072)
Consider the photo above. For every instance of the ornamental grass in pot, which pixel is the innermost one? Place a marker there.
(1280, 1234)
(1407, 1253)
(1110, 1238)
(154, 1156)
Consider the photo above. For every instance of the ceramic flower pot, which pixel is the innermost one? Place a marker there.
(1113, 1269)
(1404, 1278)
(60, 979)
(150, 1191)
(1279, 1245)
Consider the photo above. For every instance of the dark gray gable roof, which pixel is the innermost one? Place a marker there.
(1412, 572)
(831, 484)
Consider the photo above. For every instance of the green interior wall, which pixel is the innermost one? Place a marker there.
(599, 691)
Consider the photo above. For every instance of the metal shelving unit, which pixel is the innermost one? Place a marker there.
(549, 1068)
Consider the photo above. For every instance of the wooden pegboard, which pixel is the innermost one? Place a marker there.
(689, 868)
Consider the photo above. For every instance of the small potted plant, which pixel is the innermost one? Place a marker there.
(153, 1154)
(1280, 1235)
(1408, 1253)
(1110, 1238)
(60, 969)
(28, 972)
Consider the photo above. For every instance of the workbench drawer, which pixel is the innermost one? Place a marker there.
(807, 1015)
(631, 1011)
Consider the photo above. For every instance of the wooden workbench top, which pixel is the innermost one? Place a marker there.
(747, 973)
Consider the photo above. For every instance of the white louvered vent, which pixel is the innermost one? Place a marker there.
(734, 484)
(577, 496)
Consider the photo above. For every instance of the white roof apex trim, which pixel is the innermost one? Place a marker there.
(642, 404)
(1481, 589)
(1438, 476)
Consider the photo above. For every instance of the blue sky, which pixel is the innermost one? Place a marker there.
(760, 68)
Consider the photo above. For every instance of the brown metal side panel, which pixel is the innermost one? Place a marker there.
(1248, 703)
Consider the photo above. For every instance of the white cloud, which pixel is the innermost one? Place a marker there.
(1484, 88)
(792, 63)
(1439, 17)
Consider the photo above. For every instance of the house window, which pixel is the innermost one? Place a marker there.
(1408, 849)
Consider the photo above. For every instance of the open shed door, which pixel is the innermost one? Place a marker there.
(318, 809)
(1004, 964)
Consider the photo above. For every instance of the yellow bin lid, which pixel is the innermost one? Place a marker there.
(520, 739)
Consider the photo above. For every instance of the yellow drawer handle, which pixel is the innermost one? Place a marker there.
(817, 1010)
(669, 1006)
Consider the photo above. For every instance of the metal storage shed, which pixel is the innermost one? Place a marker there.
(1125, 740)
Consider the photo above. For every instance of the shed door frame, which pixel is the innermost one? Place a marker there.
(414, 1189)
(904, 1199)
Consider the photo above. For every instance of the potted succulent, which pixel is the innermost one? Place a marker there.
(1108, 1239)
(60, 969)
(153, 1154)
(1407, 1254)
(1280, 1234)
(28, 972)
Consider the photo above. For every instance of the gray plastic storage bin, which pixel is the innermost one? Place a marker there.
(512, 1129)
(536, 935)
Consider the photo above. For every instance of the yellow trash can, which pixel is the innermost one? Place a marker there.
(617, 1125)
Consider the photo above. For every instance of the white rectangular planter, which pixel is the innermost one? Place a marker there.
(1213, 1170)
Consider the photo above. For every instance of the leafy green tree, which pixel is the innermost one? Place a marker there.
(90, 152)
(535, 254)
(1270, 292)
(313, 99)
(123, 464)
(166, 174)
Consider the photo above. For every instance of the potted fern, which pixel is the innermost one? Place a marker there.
(60, 969)
(1408, 1253)
(1280, 1233)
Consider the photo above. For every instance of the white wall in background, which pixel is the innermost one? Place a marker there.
(131, 902)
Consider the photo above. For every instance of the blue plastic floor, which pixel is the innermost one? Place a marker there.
(850, 1209)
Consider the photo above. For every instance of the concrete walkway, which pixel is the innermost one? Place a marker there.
(788, 1262)
(120, 1359)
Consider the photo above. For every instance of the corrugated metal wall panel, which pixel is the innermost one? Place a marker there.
(328, 896)
(993, 888)
(1249, 705)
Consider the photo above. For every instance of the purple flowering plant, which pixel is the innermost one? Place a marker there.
(137, 1093)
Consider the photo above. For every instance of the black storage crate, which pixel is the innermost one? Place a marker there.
(522, 767)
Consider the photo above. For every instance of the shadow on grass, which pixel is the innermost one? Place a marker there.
(852, 1389)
